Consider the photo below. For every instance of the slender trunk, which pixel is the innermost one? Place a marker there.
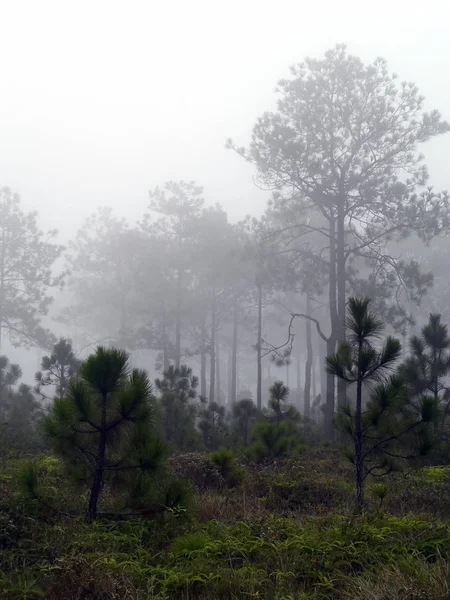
(309, 356)
(323, 372)
(329, 405)
(258, 351)
(234, 352)
(313, 378)
(341, 284)
(218, 395)
(164, 340)
(2, 282)
(359, 478)
(178, 319)
(212, 375)
(334, 320)
(203, 361)
(299, 372)
(228, 394)
(287, 374)
(97, 484)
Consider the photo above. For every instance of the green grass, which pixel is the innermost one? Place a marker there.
(287, 533)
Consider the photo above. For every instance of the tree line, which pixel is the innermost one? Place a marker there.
(350, 200)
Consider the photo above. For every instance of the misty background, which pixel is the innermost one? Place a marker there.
(102, 101)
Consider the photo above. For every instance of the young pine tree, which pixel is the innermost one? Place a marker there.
(244, 417)
(428, 366)
(278, 395)
(383, 429)
(103, 426)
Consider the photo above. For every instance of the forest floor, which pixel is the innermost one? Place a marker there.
(287, 532)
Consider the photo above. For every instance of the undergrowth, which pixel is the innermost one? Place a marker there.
(283, 531)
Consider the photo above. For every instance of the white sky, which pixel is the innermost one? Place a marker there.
(102, 100)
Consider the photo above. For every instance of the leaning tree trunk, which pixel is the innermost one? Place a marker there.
(212, 375)
(259, 352)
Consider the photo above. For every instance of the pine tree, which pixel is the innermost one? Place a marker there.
(9, 376)
(278, 396)
(57, 369)
(103, 426)
(178, 389)
(381, 431)
(245, 414)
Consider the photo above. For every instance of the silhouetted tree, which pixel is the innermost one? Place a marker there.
(381, 430)
(278, 394)
(27, 257)
(245, 415)
(335, 151)
(178, 389)
(57, 369)
(103, 426)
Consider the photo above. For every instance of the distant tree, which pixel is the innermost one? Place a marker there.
(426, 371)
(392, 425)
(342, 151)
(212, 425)
(178, 390)
(10, 374)
(271, 440)
(27, 257)
(179, 206)
(244, 417)
(57, 369)
(106, 262)
(428, 365)
(102, 428)
(24, 417)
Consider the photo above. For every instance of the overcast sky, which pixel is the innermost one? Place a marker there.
(102, 100)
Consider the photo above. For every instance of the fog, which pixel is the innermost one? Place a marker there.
(101, 102)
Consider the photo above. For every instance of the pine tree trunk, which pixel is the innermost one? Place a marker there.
(218, 395)
(212, 375)
(2, 282)
(203, 361)
(178, 319)
(259, 352)
(300, 404)
(359, 479)
(322, 370)
(341, 285)
(165, 344)
(309, 356)
(97, 484)
(313, 378)
(234, 352)
(334, 320)
(329, 405)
